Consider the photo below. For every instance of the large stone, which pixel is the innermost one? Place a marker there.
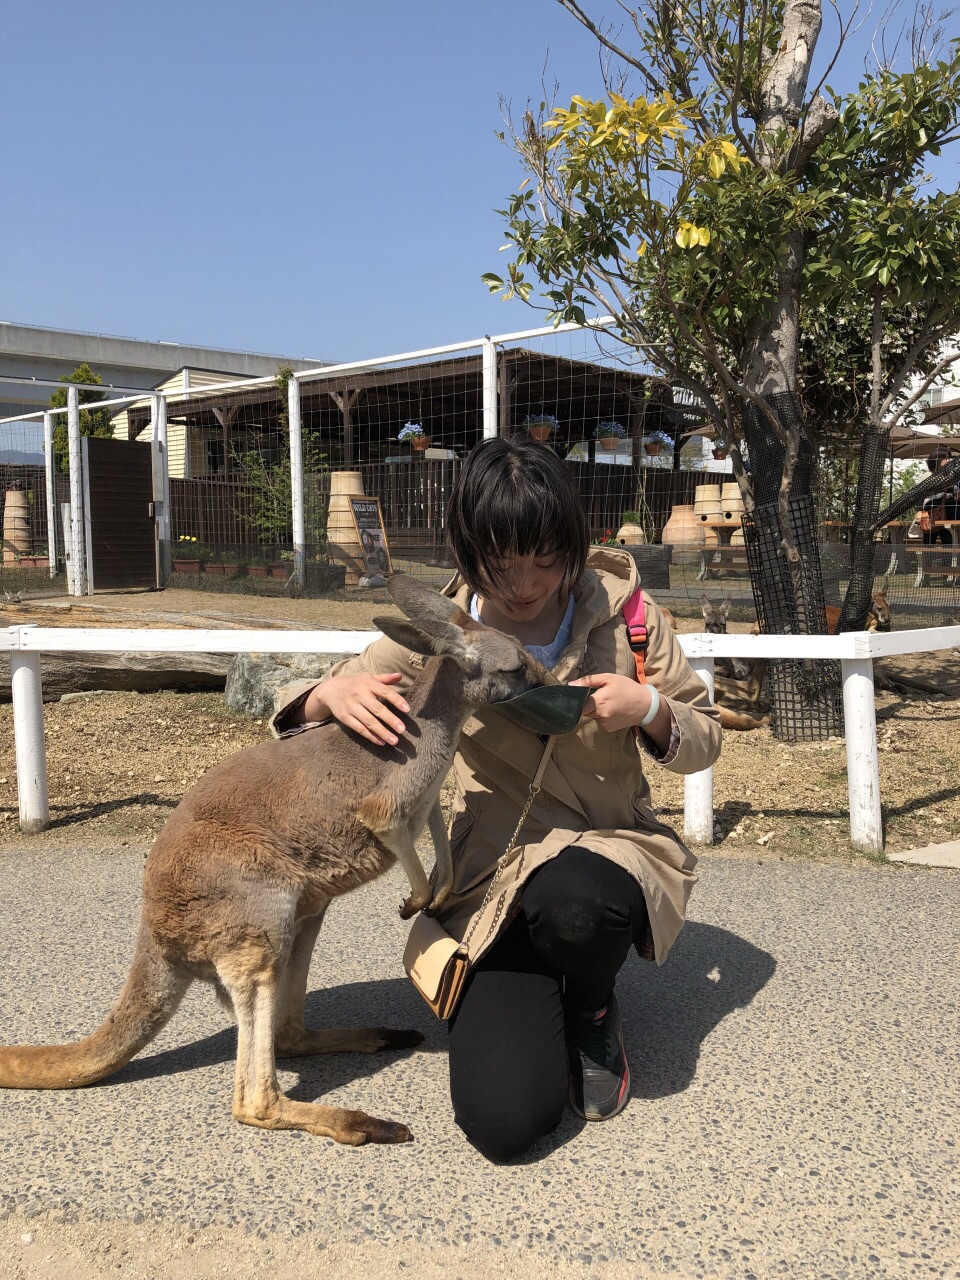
(62, 673)
(255, 680)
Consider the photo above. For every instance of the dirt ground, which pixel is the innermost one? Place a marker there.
(118, 763)
(45, 1249)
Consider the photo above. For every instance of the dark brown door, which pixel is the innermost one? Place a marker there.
(121, 537)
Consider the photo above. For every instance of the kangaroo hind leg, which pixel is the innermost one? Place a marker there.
(293, 1039)
(257, 1099)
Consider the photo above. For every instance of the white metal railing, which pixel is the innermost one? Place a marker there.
(855, 652)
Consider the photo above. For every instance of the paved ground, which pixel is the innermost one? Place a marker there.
(795, 1109)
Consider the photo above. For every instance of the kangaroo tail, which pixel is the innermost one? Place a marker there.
(734, 720)
(148, 1000)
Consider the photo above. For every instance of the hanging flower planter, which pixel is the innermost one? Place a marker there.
(541, 426)
(720, 452)
(656, 442)
(413, 434)
(609, 434)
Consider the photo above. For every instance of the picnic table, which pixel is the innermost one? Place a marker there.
(929, 553)
(723, 558)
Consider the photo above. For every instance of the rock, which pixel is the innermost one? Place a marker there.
(131, 672)
(255, 679)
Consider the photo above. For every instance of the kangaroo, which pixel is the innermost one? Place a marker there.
(878, 615)
(236, 884)
(732, 673)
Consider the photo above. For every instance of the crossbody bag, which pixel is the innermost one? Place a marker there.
(437, 964)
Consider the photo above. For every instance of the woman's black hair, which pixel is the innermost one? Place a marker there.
(940, 454)
(514, 497)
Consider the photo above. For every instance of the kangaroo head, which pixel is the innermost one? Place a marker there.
(495, 666)
(715, 615)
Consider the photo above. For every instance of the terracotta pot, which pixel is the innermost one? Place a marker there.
(540, 431)
(187, 566)
(281, 571)
(653, 448)
(35, 562)
(720, 454)
(231, 570)
(216, 569)
(684, 529)
(631, 534)
(258, 571)
(419, 443)
(608, 442)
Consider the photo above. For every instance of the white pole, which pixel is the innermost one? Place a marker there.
(489, 388)
(49, 463)
(29, 748)
(77, 549)
(698, 787)
(163, 516)
(296, 483)
(863, 769)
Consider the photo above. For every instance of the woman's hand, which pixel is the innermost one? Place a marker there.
(363, 702)
(621, 703)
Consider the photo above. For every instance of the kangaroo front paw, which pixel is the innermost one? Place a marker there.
(437, 903)
(411, 905)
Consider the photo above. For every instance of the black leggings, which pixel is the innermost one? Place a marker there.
(508, 1066)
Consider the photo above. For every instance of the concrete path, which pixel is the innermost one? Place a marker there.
(931, 855)
(796, 1110)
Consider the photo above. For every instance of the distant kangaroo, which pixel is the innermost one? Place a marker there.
(237, 882)
(736, 680)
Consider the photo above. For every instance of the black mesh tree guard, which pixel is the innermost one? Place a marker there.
(805, 695)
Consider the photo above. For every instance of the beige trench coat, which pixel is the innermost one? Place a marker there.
(594, 792)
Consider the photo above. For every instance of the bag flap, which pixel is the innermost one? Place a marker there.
(427, 954)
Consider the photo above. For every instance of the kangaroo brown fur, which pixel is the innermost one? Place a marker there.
(736, 679)
(236, 884)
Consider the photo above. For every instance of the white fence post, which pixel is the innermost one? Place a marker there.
(30, 750)
(863, 769)
(78, 551)
(160, 439)
(489, 388)
(296, 483)
(49, 464)
(77, 547)
(698, 787)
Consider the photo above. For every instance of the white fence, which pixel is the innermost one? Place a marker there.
(855, 651)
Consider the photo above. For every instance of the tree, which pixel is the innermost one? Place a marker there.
(702, 213)
(93, 422)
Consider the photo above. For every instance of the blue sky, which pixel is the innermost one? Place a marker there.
(310, 179)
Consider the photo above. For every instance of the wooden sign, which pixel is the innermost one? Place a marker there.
(373, 539)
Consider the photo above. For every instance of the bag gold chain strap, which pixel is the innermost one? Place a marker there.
(505, 858)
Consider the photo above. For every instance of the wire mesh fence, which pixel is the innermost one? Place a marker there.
(397, 431)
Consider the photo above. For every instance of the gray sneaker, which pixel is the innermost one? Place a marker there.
(599, 1074)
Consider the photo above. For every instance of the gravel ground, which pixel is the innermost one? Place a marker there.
(792, 1111)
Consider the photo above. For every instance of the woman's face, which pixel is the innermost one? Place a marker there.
(526, 585)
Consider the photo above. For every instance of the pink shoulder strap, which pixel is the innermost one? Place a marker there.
(635, 618)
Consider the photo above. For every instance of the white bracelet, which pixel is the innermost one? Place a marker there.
(654, 706)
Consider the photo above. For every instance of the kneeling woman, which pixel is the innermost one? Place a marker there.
(538, 1023)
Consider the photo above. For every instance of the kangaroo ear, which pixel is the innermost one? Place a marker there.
(419, 601)
(705, 603)
(435, 639)
(724, 606)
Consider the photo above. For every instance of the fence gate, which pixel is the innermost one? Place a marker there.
(118, 499)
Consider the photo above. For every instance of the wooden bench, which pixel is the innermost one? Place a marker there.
(927, 567)
(717, 560)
